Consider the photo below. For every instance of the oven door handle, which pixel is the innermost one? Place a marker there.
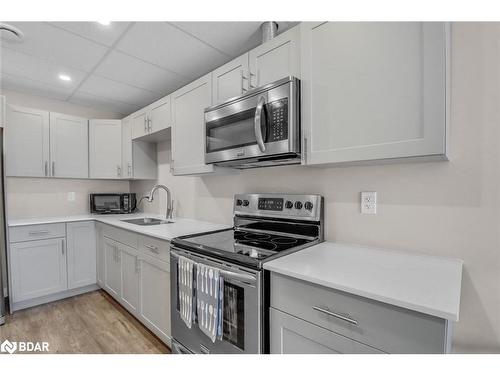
(229, 274)
(259, 112)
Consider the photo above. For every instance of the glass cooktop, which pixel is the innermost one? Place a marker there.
(250, 245)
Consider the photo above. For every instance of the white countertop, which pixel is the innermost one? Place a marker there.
(180, 226)
(423, 283)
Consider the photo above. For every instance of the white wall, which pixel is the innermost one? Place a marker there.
(442, 208)
(39, 197)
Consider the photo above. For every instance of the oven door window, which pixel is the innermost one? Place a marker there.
(231, 132)
(233, 327)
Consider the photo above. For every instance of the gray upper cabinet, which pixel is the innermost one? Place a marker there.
(231, 79)
(373, 91)
(188, 134)
(105, 149)
(139, 158)
(69, 146)
(27, 142)
(275, 59)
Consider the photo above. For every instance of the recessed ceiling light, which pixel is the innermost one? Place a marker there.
(104, 23)
(64, 77)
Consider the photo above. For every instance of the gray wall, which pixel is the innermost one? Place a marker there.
(441, 208)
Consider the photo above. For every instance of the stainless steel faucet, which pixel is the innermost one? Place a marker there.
(168, 214)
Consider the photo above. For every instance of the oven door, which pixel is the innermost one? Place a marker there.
(261, 123)
(241, 311)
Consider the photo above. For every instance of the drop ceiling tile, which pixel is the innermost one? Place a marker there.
(27, 86)
(103, 34)
(87, 100)
(47, 42)
(124, 68)
(20, 64)
(165, 45)
(233, 38)
(106, 88)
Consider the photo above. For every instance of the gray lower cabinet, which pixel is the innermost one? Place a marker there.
(291, 335)
(135, 270)
(307, 318)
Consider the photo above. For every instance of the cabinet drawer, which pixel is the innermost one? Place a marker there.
(291, 335)
(156, 248)
(37, 232)
(388, 328)
(120, 235)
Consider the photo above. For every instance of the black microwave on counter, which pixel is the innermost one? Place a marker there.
(112, 203)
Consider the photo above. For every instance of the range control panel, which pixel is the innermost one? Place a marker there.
(294, 206)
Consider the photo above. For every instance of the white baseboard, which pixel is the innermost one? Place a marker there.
(53, 297)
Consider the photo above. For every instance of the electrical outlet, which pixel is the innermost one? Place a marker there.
(71, 196)
(369, 202)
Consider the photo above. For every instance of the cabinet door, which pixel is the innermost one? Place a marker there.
(69, 146)
(276, 59)
(160, 116)
(373, 91)
(139, 123)
(188, 137)
(105, 148)
(130, 278)
(127, 148)
(101, 256)
(38, 268)
(27, 142)
(81, 246)
(291, 335)
(230, 80)
(112, 272)
(154, 295)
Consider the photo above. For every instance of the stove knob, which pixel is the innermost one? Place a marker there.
(238, 202)
(308, 206)
(289, 204)
(298, 205)
(245, 203)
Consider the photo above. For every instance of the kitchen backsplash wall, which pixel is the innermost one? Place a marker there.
(441, 208)
(38, 197)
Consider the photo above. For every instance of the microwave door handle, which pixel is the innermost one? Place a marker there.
(257, 123)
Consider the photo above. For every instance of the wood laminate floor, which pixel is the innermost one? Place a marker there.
(88, 323)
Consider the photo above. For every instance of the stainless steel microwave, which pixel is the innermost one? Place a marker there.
(112, 203)
(259, 128)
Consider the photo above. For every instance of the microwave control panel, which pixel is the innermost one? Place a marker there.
(278, 121)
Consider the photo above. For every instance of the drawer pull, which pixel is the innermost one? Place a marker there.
(38, 232)
(154, 249)
(335, 315)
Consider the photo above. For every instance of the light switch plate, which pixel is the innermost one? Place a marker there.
(71, 196)
(369, 202)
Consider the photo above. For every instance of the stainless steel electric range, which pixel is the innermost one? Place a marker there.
(266, 226)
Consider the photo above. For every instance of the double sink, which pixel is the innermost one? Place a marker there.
(145, 221)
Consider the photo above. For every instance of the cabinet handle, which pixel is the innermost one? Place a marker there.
(118, 170)
(145, 129)
(129, 169)
(243, 78)
(46, 168)
(304, 154)
(63, 246)
(345, 318)
(38, 232)
(53, 168)
(150, 125)
(154, 249)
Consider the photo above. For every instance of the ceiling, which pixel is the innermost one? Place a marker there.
(120, 67)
